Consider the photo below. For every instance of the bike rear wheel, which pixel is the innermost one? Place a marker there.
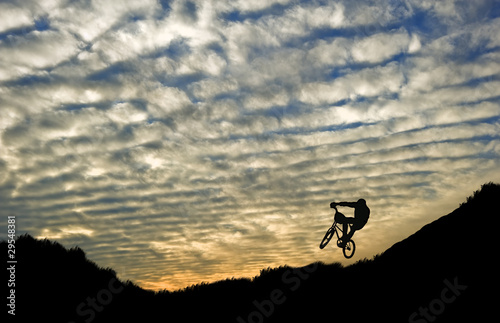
(349, 249)
(328, 236)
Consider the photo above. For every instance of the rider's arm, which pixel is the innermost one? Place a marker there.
(348, 204)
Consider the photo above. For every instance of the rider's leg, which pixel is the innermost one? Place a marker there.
(346, 236)
(345, 228)
(349, 235)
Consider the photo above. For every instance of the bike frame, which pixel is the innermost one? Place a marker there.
(337, 226)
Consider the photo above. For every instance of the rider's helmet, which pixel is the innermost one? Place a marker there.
(361, 201)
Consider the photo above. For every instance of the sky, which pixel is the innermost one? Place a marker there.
(186, 141)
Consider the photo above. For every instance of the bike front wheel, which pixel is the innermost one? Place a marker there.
(349, 249)
(327, 238)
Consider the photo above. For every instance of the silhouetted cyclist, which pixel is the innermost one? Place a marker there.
(361, 215)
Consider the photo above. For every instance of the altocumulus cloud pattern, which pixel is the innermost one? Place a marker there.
(188, 141)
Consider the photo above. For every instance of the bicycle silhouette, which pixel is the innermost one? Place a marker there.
(347, 248)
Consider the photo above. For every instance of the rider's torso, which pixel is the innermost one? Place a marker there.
(361, 214)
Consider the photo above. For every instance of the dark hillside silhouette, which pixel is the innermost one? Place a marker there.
(445, 272)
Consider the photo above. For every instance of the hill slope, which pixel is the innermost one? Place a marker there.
(444, 273)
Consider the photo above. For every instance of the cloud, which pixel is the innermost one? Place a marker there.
(367, 82)
(13, 17)
(35, 51)
(380, 47)
(207, 138)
